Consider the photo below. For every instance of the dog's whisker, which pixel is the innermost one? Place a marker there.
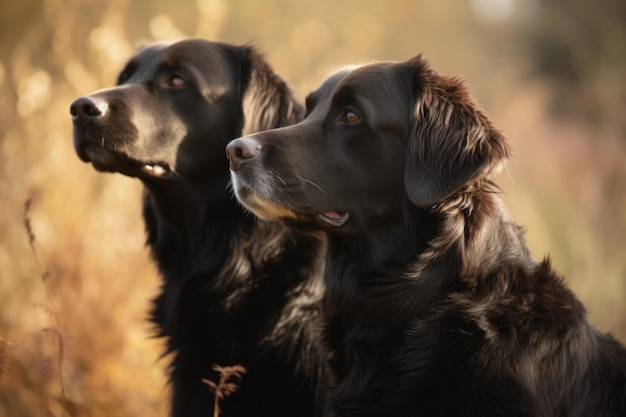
(313, 184)
(278, 177)
(176, 174)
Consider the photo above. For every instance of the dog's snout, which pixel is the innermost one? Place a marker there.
(240, 150)
(88, 108)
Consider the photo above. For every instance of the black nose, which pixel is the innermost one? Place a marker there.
(88, 108)
(240, 150)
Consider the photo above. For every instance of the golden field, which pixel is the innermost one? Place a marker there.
(75, 277)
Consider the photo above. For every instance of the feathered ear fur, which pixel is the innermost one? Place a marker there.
(268, 102)
(451, 141)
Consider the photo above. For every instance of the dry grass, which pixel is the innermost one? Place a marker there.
(57, 338)
(228, 384)
(75, 278)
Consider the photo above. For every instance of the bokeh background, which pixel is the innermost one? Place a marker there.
(75, 278)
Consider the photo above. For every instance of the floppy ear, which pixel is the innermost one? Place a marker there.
(451, 141)
(268, 102)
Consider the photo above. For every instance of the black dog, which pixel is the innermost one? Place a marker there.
(436, 307)
(235, 291)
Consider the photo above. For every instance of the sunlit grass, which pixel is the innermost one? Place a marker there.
(76, 280)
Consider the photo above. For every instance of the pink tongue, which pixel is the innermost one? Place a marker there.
(333, 214)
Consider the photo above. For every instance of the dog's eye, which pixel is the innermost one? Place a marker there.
(176, 81)
(351, 117)
(125, 74)
(122, 77)
(309, 103)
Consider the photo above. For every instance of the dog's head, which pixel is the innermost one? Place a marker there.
(174, 108)
(376, 137)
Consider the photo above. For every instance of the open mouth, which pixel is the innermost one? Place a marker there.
(107, 160)
(112, 154)
(333, 217)
(133, 168)
(267, 209)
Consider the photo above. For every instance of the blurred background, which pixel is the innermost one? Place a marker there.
(75, 278)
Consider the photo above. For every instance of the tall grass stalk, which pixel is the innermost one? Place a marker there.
(55, 331)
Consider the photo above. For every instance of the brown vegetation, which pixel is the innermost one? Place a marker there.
(75, 277)
(228, 383)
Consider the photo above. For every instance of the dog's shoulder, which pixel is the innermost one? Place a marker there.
(529, 296)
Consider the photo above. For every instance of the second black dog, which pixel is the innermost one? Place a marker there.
(436, 307)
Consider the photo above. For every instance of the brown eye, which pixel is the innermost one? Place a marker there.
(351, 117)
(176, 81)
(126, 73)
(121, 79)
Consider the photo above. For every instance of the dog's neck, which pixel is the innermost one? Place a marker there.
(213, 230)
(189, 219)
(449, 244)
(365, 275)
